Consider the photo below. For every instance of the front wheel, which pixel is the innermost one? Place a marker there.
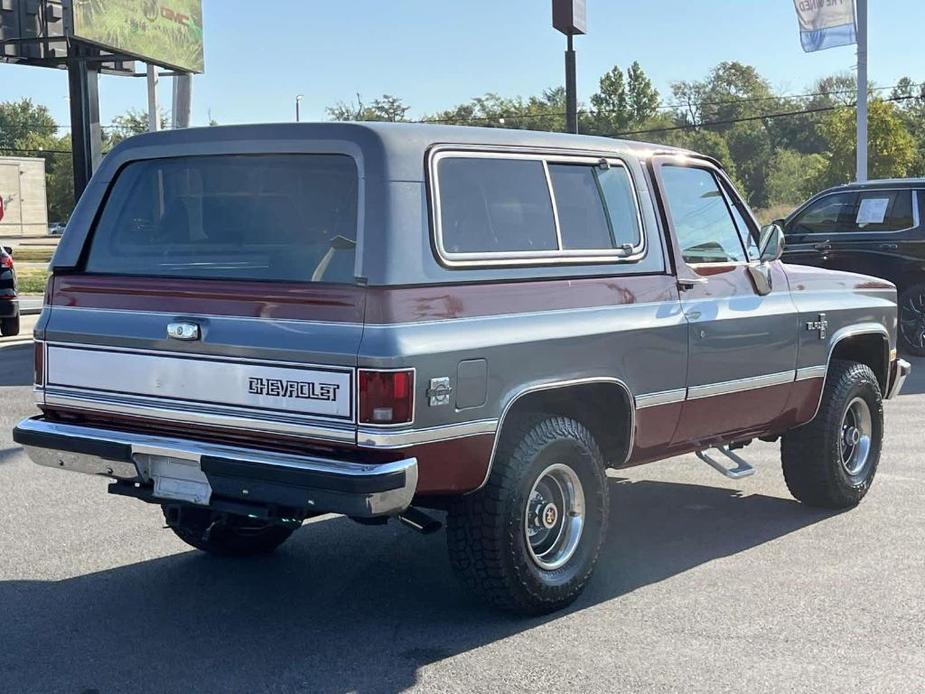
(528, 541)
(831, 462)
(225, 534)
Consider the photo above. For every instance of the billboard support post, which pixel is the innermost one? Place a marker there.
(182, 100)
(86, 135)
(154, 116)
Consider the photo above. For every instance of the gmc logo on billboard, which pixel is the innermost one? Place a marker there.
(178, 17)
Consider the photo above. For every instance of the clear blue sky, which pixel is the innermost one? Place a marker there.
(437, 53)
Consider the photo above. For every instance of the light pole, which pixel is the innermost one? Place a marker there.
(571, 18)
(298, 101)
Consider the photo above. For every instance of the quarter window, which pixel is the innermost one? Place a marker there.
(534, 207)
(701, 217)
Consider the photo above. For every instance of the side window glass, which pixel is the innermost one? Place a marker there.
(745, 229)
(583, 222)
(830, 214)
(596, 207)
(888, 210)
(700, 216)
(490, 205)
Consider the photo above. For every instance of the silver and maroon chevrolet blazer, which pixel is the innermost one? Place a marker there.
(254, 325)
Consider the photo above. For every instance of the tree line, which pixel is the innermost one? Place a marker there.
(779, 148)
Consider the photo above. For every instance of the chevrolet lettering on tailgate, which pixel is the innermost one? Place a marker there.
(441, 324)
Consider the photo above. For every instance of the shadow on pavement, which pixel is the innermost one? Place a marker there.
(340, 607)
(7, 454)
(16, 365)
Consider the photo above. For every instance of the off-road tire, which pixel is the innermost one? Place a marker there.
(486, 529)
(231, 536)
(811, 456)
(9, 327)
(911, 308)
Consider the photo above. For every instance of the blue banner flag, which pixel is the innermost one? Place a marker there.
(826, 23)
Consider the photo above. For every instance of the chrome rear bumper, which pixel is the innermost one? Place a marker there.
(314, 484)
(900, 371)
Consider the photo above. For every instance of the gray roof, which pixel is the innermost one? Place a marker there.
(882, 183)
(396, 138)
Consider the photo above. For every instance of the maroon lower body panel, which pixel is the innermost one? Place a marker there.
(691, 426)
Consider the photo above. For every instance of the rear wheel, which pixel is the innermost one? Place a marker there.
(9, 327)
(831, 462)
(225, 534)
(528, 541)
(912, 320)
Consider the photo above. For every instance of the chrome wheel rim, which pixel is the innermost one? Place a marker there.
(855, 436)
(554, 517)
(912, 320)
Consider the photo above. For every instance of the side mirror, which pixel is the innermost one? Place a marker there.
(771, 243)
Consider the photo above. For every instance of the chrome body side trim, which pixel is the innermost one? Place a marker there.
(221, 417)
(808, 373)
(375, 438)
(737, 386)
(137, 447)
(665, 397)
(555, 385)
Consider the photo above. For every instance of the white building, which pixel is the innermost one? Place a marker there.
(22, 188)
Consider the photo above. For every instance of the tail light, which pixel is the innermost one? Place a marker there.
(39, 363)
(6, 261)
(386, 397)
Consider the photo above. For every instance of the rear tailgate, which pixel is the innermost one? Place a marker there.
(216, 293)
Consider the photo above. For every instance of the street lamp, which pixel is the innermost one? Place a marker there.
(298, 101)
(571, 18)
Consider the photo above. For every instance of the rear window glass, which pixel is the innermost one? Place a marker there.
(490, 205)
(263, 217)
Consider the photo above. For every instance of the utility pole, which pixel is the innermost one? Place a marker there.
(862, 90)
(570, 17)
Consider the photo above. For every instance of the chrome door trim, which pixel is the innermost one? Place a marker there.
(739, 385)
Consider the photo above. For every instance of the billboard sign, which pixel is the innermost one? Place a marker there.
(162, 32)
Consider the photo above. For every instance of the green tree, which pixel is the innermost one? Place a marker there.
(623, 103)
(792, 176)
(891, 148)
(130, 123)
(385, 108)
(20, 119)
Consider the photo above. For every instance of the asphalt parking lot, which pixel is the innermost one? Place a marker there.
(706, 585)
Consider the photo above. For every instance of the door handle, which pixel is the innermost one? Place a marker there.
(823, 246)
(685, 283)
(887, 246)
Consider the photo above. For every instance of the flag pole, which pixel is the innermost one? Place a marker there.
(861, 15)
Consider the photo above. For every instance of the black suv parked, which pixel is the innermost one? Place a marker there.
(874, 228)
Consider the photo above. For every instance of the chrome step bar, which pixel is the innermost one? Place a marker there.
(742, 469)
